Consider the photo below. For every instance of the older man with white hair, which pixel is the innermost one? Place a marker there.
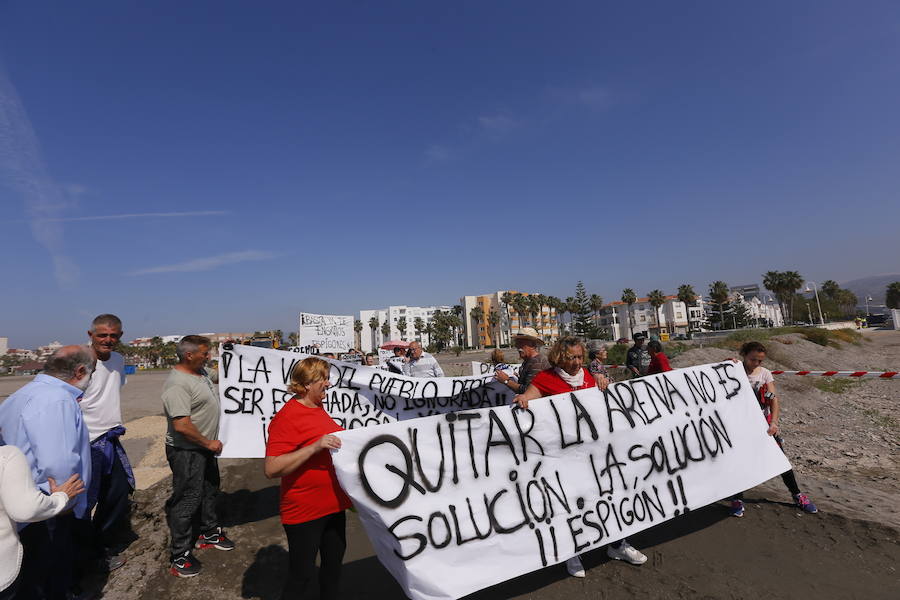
(421, 363)
(43, 420)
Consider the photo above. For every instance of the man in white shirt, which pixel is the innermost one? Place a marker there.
(101, 406)
(420, 363)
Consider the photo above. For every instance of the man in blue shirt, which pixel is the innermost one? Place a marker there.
(44, 421)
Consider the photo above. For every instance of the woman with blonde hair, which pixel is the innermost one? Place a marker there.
(568, 374)
(312, 503)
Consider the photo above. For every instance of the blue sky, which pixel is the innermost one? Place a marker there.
(220, 166)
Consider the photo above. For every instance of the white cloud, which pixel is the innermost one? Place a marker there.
(197, 213)
(22, 168)
(498, 124)
(594, 97)
(437, 153)
(208, 263)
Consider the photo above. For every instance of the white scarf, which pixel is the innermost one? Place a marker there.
(574, 381)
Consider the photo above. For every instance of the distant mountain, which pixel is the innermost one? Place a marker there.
(873, 286)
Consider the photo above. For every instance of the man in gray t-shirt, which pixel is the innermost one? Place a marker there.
(194, 396)
(191, 405)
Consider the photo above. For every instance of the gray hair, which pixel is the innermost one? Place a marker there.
(190, 343)
(63, 363)
(107, 319)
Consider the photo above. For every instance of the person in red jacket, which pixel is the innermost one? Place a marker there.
(312, 503)
(568, 374)
(659, 362)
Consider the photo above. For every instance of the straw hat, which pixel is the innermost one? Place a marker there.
(530, 334)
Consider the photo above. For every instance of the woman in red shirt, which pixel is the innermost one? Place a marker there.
(567, 375)
(312, 502)
(659, 362)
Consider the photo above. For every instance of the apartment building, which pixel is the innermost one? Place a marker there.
(371, 340)
(674, 318)
(482, 334)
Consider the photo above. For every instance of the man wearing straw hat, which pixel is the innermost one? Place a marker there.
(528, 343)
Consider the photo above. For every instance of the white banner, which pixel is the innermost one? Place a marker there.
(330, 333)
(458, 502)
(483, 368)
(253, 387)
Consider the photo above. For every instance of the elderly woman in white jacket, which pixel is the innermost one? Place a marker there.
(22, 502)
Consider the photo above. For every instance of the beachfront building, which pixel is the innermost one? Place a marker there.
(674, 318)
(371, 339)
(763, 310)
(482, 334)
(44, 352)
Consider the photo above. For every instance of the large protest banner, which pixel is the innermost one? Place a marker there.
(458, 502)
(253, 387)
(330, 333)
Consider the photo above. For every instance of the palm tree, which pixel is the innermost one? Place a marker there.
(558, 308)
(774, 282)
(520, 303)
(477, 316)
(386, 330)
(830, 289)
(892, 295)
(688, 297)
(629, 298)
(657, 299)
(373, 325)
(596, 302)
(419, 326)
(533, 308)
(793, 281)
(507, 299)
(718, 293)
(357, 328)
(494, 321)
(401, 326)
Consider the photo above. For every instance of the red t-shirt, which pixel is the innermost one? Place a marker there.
(659, 363)
(312, 491)
(549, 383)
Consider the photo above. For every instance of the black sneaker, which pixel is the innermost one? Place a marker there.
(185, 565)
(214, 539)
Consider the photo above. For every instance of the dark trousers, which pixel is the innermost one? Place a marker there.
(49, 559)
(326, 537)
(96, 536)
(195, 488)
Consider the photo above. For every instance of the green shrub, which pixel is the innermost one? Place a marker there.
(616, 354)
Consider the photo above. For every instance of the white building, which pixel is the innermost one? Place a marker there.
(763, 310)
(673, 317)
(4, 345)
(44, 352)
(371, 340)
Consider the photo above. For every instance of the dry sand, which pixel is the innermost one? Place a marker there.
(843, 445)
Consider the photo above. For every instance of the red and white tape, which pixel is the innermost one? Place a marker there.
(857, 374)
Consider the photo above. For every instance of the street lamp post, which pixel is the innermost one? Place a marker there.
(868, 297)
(819, 305)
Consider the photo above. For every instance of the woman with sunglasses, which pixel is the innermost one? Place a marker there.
(568, 374)
(312, 503)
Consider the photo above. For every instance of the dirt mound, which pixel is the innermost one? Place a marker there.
(773, 551)
(841, 435)
(842, 439)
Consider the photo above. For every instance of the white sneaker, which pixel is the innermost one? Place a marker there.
(574, 567)
(626, 552)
